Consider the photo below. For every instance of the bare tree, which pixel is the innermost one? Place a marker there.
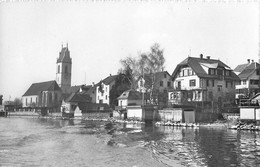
(146, 63)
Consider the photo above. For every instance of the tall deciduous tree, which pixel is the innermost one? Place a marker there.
(146, 63)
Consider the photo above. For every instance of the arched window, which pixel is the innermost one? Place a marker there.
(66, 69)
(58, 68)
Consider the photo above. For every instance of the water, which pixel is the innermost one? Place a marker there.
(49, 142)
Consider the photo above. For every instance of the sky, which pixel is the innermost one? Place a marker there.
(101, 33)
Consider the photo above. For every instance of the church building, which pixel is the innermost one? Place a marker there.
(50, 93)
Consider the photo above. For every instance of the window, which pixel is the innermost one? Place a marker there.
(219, 88)
(58, 68)
(55, 97)
(181, 73)
(244, 82)
(220, 72)
(213, 83)
(193, 82)
(106, 97)
(199, 93)
(190, 72)
(257, 72)
(141, 83)
(228, 73)
(165, 75)
(254, 82)
(212, 71)
(179, 84)
(207, 82)
(161, 83)
(169, 84)
(50, 97)
(102, 93)
(185, 72)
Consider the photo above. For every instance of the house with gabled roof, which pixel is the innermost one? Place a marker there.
(43, 94)
(249, 83)
(103, 89)
(75, 103)
(203, 81)
(158, 83)
(130, 97)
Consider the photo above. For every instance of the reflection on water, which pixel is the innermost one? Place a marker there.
(49, 142)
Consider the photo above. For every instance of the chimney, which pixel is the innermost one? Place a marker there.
(252, 61)
(208, 57)
(248, 61)
(201, 56)
(93, 84)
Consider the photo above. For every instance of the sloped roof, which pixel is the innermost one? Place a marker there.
(36, 88)
(64, 55)
(78, 97)
(75, 89)
(249, 70)
(109, 79)
(241, 67)
(130, 95)
(196, 65)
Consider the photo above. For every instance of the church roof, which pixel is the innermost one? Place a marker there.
(64, 55)
(36, 88)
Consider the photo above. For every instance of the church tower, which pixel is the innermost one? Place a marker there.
(63, 69)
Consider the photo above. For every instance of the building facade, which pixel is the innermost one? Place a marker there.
(157, 85)
(103, 89)
(203, 81)
(249, 84)
(129, 98)
(44, 94)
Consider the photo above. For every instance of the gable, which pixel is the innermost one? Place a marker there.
(36, 88)
(201, 66)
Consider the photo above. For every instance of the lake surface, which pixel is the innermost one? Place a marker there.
(50, 142)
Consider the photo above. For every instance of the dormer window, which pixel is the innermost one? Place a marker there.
(212, 71)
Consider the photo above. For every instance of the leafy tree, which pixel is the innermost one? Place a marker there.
(122, 83)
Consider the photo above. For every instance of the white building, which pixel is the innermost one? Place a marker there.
(103, 89)
(203, 80)
(249, 75)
